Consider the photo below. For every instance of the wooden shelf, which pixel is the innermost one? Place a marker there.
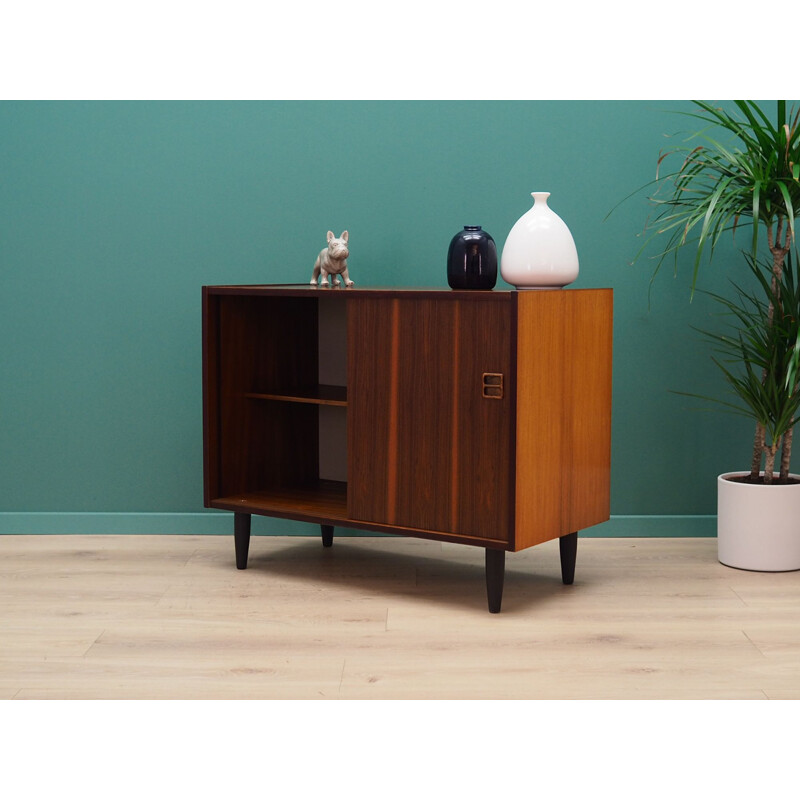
(325, 500)
(322, 395)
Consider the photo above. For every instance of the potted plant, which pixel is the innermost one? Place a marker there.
(748, 173)
(758, 515)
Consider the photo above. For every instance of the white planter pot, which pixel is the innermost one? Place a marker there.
(758, 527)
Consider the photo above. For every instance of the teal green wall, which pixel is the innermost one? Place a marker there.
(114, 214)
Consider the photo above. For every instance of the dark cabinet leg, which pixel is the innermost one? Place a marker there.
(327, 535)
(241, 538)
(568, 547)
(495, 572)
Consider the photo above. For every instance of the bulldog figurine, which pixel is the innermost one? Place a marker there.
(332, 261)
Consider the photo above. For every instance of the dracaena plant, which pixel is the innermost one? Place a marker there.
(758, 352)
(742, 168)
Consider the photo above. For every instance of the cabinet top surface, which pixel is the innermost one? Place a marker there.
(304, 289)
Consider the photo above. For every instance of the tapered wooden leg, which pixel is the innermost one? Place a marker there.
(327, 535)
(568, 548)
(241, 538)
(495, 572)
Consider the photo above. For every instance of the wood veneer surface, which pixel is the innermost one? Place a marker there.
(426, 452)
(563, 453)
(266, 344)
(426, 449)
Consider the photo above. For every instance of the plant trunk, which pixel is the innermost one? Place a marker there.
(779, 252)
(769, 462)
(786, 454)
(758, 449)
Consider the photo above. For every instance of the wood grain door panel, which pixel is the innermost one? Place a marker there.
(484, 431)
(427, 448)
(371, 380)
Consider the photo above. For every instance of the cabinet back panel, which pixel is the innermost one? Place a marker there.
(332, 371)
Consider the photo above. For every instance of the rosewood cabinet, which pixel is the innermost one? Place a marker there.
(482, 418)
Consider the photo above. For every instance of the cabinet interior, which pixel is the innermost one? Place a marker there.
(282, 376)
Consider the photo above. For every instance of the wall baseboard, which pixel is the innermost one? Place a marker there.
(220, 523)
(624, 526)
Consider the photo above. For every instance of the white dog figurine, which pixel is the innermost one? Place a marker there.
(332, 261)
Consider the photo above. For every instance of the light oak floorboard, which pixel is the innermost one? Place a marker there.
(170, 617)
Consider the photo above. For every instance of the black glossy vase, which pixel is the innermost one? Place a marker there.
(472, 260)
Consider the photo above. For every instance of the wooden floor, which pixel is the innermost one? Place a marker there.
(162, 617)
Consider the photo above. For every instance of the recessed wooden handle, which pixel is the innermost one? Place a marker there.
(492, 385)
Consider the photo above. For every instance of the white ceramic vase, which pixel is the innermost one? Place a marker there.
(539, 252)
(758, 526)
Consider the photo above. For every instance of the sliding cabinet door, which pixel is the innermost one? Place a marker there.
(430, 413)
